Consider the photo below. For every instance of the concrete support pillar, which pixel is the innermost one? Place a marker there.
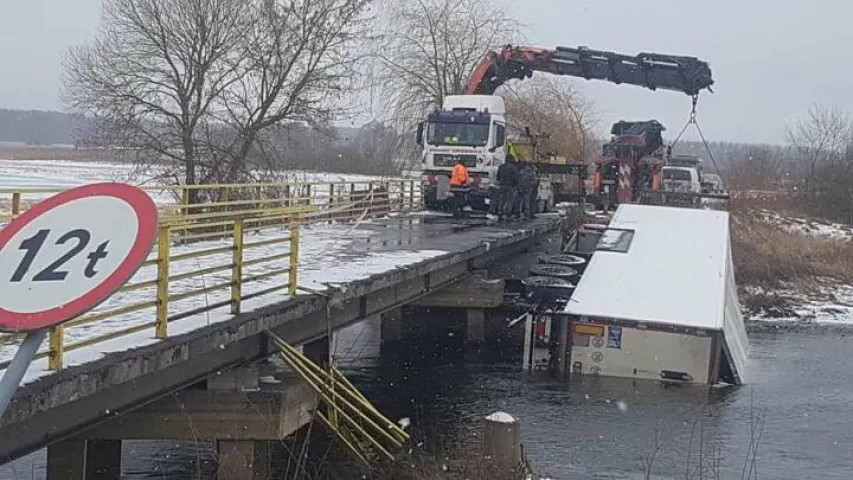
(317, 351)
(475, 325)
(240, 379)
(77, 459)
(391, 326)
(243, 460)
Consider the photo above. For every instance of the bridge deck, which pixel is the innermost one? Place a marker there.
(373, 267)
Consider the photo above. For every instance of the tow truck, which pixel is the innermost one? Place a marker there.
(473, 127)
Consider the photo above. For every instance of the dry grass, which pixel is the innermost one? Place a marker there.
(469, 467)
(765, 255)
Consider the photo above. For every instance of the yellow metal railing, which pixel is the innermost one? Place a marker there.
(332, 200)
(207, 254)
(175, 274)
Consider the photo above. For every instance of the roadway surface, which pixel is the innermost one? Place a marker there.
(60, 404)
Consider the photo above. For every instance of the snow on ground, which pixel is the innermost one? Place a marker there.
(806, 226)
(827, 304)
(57, 174)
(324, 259)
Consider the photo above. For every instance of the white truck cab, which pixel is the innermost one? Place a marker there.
(467, 127)
(681, 179)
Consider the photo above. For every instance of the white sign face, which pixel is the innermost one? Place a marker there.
(71, 252)
(65, 253)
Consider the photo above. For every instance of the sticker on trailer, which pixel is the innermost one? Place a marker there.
(614, 337)
(70, 252)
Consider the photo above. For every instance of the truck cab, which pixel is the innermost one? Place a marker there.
(681, 179)
(467, 127)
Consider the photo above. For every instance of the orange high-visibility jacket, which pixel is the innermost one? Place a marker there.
(459, 177)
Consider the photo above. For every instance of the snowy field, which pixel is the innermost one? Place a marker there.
(55, 175)
(66, 174)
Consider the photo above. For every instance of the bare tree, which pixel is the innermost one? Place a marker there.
(553, 107)
(193, 84)
(151, 75)
(429, 49)
(299, 57)
(823, 142)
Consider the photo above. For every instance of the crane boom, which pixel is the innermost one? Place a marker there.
(650, 70)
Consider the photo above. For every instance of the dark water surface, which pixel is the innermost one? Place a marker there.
(798, 409)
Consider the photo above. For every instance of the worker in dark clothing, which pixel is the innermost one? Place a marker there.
(459, 187)
(526, 186)
(508, 183)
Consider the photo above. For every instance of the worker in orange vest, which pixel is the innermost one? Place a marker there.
(459, 187)
(459, 177)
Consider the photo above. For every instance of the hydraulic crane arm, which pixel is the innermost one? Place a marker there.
(651, 70)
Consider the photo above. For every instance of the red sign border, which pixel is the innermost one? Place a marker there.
(147, 218)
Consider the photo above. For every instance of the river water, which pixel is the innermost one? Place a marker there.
(797, 411)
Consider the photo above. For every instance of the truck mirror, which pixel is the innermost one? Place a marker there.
(420, 133)
(492, 149)
(527, 132)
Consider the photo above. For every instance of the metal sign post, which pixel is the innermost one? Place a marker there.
(65, 256)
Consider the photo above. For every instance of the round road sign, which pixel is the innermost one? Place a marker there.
(70, 252)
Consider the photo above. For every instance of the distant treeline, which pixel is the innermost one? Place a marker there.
(38, 127)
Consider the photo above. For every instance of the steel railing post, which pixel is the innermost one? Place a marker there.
(237, 269)
(162, 316)
(56, 342)
(293, 274)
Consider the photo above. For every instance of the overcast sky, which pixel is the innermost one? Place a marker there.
(771, 59)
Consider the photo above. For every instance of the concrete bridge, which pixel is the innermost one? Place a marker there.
(207, 366)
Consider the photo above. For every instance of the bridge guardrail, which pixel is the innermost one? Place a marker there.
(167, 277)
(333, 200)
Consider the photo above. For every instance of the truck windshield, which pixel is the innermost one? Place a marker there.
(676, 174)
(468, 134)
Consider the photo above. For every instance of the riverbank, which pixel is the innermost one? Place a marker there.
(791, 268)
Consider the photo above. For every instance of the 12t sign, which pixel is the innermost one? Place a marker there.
(70, 252)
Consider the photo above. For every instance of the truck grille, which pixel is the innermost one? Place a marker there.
(449, 160)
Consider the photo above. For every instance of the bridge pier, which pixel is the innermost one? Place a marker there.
(81, 459)
(317, 351)
(237, 412)
(391, 328)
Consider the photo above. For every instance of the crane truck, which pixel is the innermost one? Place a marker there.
(472, 127)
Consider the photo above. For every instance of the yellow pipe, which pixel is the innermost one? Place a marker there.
(314, 381)
(402, 436)
(349, 446)
(295, 359)
(325, 396)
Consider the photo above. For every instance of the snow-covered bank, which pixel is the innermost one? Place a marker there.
(813, 300)
(806, 226)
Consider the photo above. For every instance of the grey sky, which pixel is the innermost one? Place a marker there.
(771, 58)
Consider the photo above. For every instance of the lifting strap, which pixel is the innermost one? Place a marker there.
(692, 121)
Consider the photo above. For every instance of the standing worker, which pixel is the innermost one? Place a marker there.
(459, 187)
(527, 188)
(508, 182)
